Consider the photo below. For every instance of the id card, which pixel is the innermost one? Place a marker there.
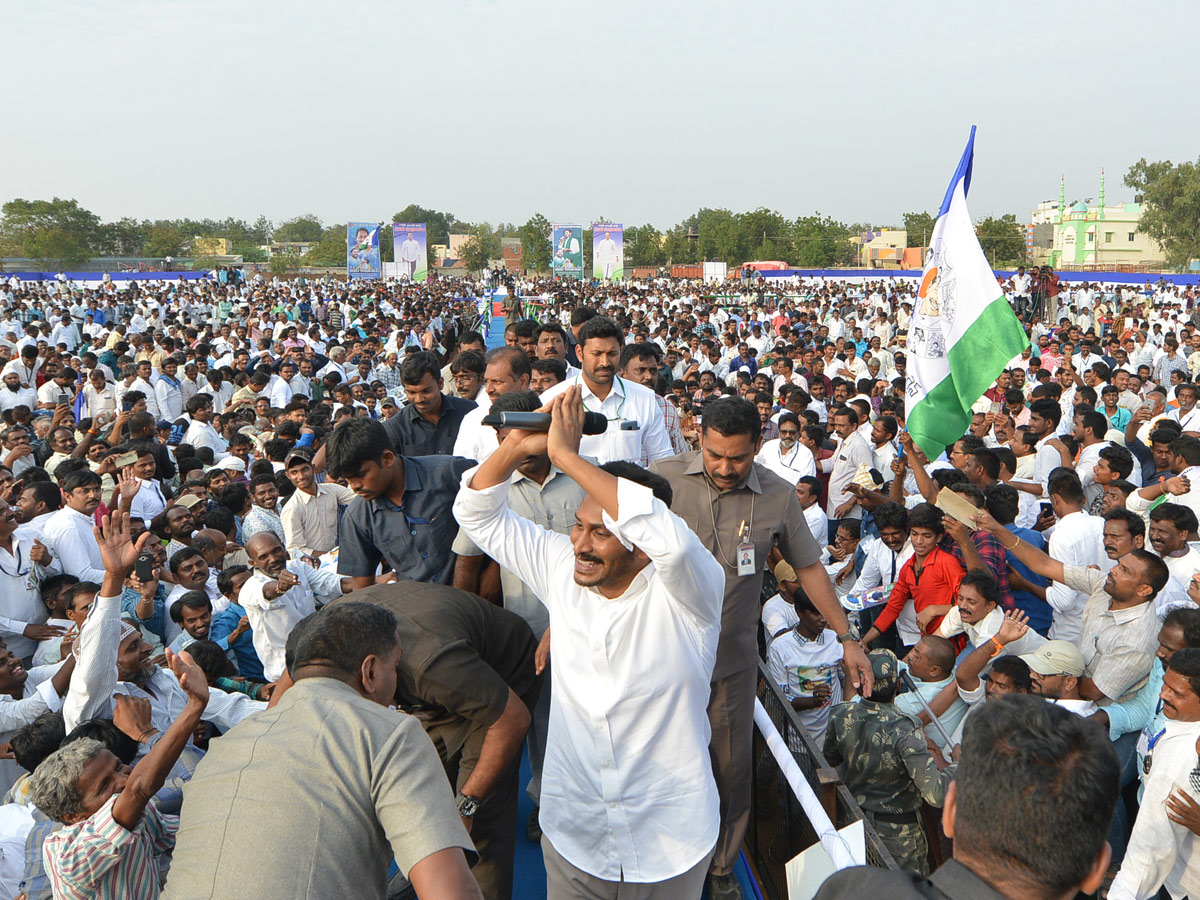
(745, 560)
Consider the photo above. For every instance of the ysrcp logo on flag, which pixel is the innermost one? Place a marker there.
(935, 305)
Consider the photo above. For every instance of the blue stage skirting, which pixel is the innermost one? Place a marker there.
(1138, 278)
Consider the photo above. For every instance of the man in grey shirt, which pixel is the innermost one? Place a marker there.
(342, 783)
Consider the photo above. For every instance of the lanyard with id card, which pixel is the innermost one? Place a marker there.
(745, 552)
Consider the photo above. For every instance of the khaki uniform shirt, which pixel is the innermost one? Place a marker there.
(341, 783)
(768, 506)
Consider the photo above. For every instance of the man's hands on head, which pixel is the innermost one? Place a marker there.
(566, 425)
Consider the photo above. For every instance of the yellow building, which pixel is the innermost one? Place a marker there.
(882, 249)
(1101, 235)
(212, 246)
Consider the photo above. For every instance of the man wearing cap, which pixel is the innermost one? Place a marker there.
(1056, 669)
(310, 516)
(881, 755)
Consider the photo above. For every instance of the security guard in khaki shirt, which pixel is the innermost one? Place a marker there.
(467, 673)
(740, 510)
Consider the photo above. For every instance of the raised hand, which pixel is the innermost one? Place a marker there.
(39, 554)
(129, 486)
(1014, 627)
(117, 550)
(566, 426)
(132, 716)
(287, 580)
(984, 522)
(191, 676)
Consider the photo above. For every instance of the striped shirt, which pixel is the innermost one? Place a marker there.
(99, 860)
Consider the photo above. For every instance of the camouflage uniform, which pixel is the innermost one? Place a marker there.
(881, 756)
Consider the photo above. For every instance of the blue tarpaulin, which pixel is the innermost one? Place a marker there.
(1138, 278)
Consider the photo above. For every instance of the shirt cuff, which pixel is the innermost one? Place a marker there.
(633, 500)
(481, 498)
(47, 692)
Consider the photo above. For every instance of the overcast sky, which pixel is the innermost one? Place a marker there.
(639, 111)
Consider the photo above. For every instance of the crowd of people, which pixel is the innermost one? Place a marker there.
(265, 559)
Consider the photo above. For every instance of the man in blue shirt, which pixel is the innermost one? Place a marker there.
(403, 519)
(1028, 589)
(230, 628)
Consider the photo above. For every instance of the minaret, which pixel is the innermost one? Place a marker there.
(1062, 198)
(1101, 211)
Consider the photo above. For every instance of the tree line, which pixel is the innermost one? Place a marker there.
(61, 234)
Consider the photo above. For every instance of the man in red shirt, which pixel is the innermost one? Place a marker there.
(930, 577)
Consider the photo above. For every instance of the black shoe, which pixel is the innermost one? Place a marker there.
(533, 828)
(724, 887)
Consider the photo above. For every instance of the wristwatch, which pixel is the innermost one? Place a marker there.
(467, 806)
(847, 637)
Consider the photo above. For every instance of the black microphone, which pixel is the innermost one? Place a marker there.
(593, 422)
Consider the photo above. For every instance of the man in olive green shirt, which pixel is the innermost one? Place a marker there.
(741, 510)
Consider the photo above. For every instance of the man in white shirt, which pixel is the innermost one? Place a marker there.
(279, 594)
(1077, 540)
(200, 433)
(808, 492)
(1162, 852)
(168, 391)
(635, 604)
(113, 659)
(1170, 526)
(843, 465)
(310, 516)
(637, 430)
(13, 395)
(280, 387)
(507, 369)
(786, 456)
(1021, 284)
(142, 383)
(1044, 418)
(68, 533)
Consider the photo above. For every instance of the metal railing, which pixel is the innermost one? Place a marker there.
(779, 829)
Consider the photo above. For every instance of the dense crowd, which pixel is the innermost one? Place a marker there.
(266, 560)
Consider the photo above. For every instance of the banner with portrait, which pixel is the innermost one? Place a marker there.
(608, 251)
(362, 250)
(409, 241)
(566, 245)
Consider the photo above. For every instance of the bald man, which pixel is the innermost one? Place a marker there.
(280, 593)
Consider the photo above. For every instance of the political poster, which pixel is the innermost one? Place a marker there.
(409, 241)
(362, 250)
(608, 251)
(567, 246)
